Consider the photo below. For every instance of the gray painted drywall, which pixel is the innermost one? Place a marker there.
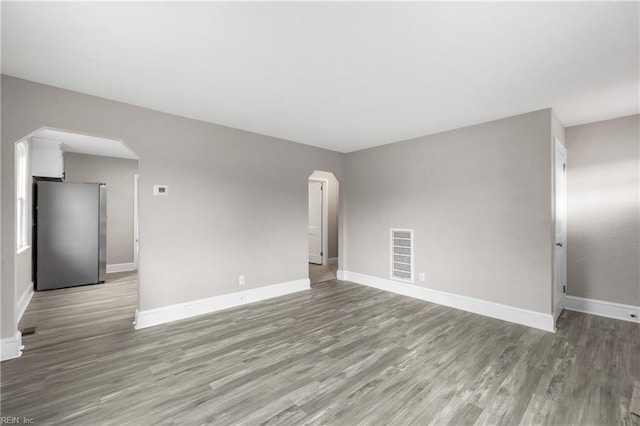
(333, 195)
(237, 200)
(3, 306)
(479, 200)
(603, 181)
(8, 323)
(118, 174)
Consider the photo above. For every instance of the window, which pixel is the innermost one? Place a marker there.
(22, 178)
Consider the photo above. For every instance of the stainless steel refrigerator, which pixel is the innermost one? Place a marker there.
(70, 234)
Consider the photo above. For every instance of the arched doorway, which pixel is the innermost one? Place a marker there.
(58, 174)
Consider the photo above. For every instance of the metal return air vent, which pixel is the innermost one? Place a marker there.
(402, 254)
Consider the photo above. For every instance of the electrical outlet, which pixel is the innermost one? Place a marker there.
(421, 277)
(241, 280)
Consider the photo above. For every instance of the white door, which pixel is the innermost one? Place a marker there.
(315, 222)
(560, 253)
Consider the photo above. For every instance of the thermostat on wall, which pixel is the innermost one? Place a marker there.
(160, 189)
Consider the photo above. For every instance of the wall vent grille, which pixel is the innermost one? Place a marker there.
(402, 254)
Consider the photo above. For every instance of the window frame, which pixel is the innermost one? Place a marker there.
(22, 197)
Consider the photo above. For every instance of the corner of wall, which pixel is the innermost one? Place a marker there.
(557, 128)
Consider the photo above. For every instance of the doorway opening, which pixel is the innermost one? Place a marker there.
(560, 237)
(81, 240)
(324, 199)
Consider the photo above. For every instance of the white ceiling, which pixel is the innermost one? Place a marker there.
(85, 144)
(342, 76)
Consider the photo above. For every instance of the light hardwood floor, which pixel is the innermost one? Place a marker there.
(338, 354)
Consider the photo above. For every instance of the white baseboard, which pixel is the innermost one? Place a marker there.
(557, 310)
(521, 316)
(180, 311)
(332, 261)
(121, 267)
(23, 302)
(603, 308)
(11, 347)
(341, 275)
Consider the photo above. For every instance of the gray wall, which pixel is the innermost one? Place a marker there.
(237, 203)
(333, 195)
(479, 200)
(604, 210)
(117, 173)
(7, 308)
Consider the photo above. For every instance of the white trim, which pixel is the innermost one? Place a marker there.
(341, 275)
(325, 217)
(559, 303)
(136, 229)
(557, 309)
(332, 261)
(22, 179)
(11, 347)
(21, 250)
(121, 267)
(325, 221)
(521, 316)
(603, 308)
(23, 302)
(194, 308)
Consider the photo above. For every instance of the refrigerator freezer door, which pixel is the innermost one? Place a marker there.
(67, 234)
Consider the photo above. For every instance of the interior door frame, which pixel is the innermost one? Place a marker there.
(325, 217)
(559, 148)
(136, 230)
